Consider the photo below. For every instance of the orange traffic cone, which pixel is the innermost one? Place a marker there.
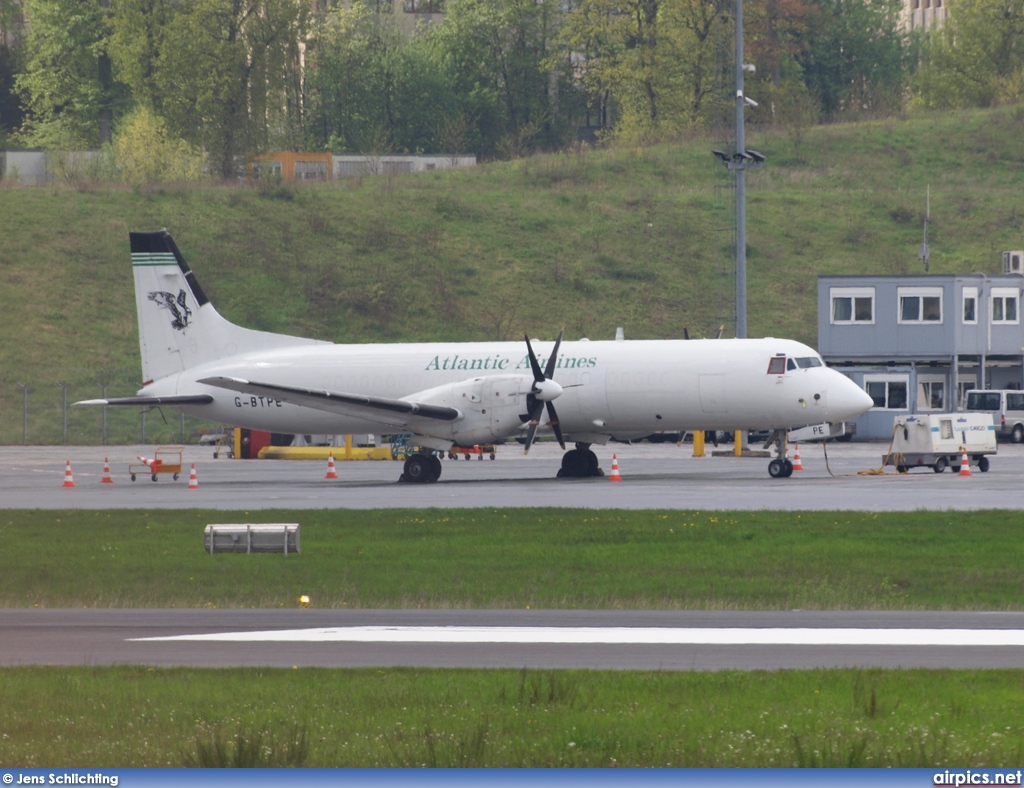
(193, 482)
(615, 470)
(68, 480)
(331, 473)
(965, 468)
(106, 472)
(797, 465)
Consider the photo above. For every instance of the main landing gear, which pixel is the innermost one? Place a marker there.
(780, 467)
(421, 468)
(579, 463)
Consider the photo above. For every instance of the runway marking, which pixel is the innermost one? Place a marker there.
(623, 636)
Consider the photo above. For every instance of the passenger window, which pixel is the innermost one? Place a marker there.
(777, 366)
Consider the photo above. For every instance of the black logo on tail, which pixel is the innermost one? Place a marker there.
(179, 311)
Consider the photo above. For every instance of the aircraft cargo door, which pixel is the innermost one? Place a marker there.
(712, 394)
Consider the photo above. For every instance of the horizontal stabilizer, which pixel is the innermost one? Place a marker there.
(184, 399)
(389, 411)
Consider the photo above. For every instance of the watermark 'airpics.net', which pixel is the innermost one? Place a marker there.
(977, 777)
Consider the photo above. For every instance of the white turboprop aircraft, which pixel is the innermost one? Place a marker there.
(466, 393)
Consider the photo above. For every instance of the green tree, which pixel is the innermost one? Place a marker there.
(855, 58)
(498, 57)
(224, 74)
(11, 56)
(64, 83)
(144, 152)
(659, 61)
(372, 89)
(977, 58)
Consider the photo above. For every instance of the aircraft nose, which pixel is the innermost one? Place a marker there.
(846, 400)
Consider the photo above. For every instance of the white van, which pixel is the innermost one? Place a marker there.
(1006, 407)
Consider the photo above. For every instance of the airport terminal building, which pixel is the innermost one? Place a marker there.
(916, 343)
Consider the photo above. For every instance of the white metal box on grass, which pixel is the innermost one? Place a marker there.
(252, 538)
(940, 440)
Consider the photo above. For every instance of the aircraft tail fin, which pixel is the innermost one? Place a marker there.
(178, 326)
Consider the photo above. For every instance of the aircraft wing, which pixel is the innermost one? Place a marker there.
(183, 399)
(395, 412)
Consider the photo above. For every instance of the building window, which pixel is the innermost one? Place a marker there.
(889, 392)
(852, 305)
(931, 392)
(970, 305)
(423, 6)
(310, 170)
(1004, 305)
(920, 304)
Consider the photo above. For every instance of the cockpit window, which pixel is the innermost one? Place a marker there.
(791, 364)
(807, 363)
(777, 366)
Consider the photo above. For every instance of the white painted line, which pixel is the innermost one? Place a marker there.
(624, 636)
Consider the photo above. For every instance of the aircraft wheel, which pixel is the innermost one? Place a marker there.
(435, 467)
(776, 469)
(419, 469)
(593, 469)
(787, 469)
(983, 464)
(575, 464)
(940, 464)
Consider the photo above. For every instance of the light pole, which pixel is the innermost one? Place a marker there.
(741, 160)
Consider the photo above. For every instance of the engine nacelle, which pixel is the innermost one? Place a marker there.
(492, 407)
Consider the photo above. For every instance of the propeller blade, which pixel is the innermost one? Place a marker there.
(554, 424)
(536, 408)
(538, 374)
(549, 370)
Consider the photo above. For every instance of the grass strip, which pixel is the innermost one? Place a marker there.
(137, 716)
(518, 558)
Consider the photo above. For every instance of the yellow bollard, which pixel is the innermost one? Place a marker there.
(698, 443)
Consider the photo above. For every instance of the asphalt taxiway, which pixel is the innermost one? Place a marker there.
(658, 476)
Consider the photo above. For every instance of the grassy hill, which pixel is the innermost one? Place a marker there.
(590, 241)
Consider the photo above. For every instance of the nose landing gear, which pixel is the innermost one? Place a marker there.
(781, 467)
